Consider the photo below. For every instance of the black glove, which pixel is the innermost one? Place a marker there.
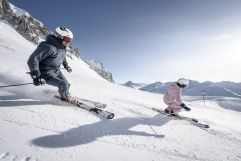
(37, 80)
(67, 68)
(185, 107)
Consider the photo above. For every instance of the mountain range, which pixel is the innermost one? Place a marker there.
(135, 85)
(100, 69)
(195, 88)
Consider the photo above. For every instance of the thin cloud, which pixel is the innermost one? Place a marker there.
(221, 36)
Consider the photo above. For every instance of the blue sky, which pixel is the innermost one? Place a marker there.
(152, 40)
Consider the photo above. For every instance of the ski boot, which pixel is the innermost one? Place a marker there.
(171, 113)
(71, 100)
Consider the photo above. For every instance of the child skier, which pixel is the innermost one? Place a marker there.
(172, 98)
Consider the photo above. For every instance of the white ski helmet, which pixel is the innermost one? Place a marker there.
(64, 32)
(183, 82)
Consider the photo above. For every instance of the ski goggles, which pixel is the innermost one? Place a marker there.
(67, 40)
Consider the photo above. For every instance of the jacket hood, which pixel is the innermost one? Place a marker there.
(53, 40)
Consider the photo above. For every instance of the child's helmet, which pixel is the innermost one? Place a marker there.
(183, 82)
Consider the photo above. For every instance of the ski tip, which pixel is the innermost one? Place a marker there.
(207, 126)
(195, 120)
(154, 109)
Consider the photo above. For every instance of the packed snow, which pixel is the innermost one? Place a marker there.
(34, 126)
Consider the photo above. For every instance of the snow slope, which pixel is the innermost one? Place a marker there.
(36, 127)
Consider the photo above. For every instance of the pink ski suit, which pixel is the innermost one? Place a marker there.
(172, 98)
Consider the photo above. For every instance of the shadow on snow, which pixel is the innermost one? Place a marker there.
(91, 132)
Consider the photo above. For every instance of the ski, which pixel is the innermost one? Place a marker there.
(92, 103)
(193, 121)
(93, 109)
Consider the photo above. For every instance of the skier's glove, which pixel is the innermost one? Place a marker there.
(185, 107)
(68, 68)
(37, 80)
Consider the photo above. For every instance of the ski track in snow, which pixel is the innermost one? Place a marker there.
(122, 143)
(117, 142)
(158, 151)
(6, 156)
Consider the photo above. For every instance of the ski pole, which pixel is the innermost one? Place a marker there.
(15, 85)
(203, 93)
(146, 120)
(203, 101)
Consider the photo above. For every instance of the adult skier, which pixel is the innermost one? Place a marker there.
(172, 98)
(44, 63)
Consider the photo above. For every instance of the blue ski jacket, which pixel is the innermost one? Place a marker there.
(48, 57)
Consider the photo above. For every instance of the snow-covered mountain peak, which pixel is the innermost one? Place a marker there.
(19, 12)
(96, 64)
(134, 85)
(158, 83)
(152, 86)
(100, 69)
